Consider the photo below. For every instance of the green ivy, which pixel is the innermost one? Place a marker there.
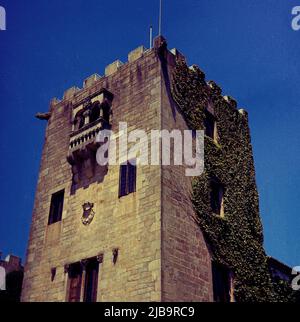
(236, 240)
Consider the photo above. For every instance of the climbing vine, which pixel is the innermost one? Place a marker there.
(236, 240)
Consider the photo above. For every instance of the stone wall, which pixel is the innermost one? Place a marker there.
(186, 262)
(130, 223)
(162, 252)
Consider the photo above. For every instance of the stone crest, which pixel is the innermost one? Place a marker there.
(88, 213)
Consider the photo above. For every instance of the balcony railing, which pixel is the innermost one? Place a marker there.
(87, 133)
(83, 141)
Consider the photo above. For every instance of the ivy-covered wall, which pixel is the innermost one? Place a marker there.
(236, 240)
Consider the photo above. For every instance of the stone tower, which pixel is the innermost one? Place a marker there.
(96, 236)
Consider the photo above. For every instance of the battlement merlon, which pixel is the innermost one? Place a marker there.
(160, 45)
(112, 68)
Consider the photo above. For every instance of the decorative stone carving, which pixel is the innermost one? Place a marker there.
(88, 213)
(43, 116)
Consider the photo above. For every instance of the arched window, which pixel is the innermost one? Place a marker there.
(79, 121)
(95, 112)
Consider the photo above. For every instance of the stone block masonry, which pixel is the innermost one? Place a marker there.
(162, 255)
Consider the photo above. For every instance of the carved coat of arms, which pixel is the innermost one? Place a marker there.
(88, 213)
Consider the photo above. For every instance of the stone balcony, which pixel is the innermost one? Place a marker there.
(83, 141)
(89, 117)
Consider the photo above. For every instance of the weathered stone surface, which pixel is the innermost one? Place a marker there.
(91, 80)
(113, 67)
(162, 255)
(136, 54)
(69, 93)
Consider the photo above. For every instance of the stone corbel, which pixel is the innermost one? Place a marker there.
(66, 268)
(100, 258)
(115, 253)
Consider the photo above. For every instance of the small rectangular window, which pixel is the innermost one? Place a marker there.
(221, 283)
(127, 183)
(75, 277)
(131, 178)
(123, 180)
(83, 280)
(56, 207)
(91, 280)
(210, 125)
(216, 197)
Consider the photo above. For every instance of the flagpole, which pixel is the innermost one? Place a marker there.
(160, 17)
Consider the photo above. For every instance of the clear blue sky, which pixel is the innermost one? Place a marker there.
(246, 46)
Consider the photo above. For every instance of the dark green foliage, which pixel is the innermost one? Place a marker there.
(236, 240)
